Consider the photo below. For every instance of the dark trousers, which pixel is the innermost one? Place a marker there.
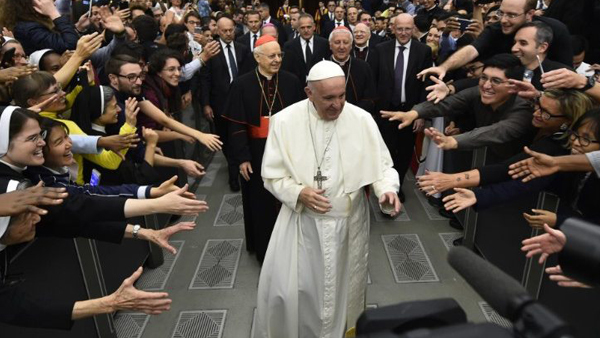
(221, 128)
(400, 142)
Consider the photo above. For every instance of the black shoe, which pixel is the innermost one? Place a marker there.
(401, 196)
(445, 213)
(455, 224)
(458, 241)
(435, 202)
(234, 186)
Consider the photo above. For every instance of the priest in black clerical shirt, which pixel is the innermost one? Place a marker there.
(360, 83)
(253, 99)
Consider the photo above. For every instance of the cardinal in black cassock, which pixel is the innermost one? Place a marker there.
(360, 84)
(253, 98)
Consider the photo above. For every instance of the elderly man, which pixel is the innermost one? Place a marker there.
(360, 83)
(269, 29)
(499, 37)
(253, 99)
(320, 155)
(364, 45)
(397, 86)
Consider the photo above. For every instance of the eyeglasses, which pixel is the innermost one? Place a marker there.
(272, 57)
(473, 69)
(583, 141)
(37, 137)
(543, 112)
(57, 90)
(493, 80)
(511, 16)
(132, 78)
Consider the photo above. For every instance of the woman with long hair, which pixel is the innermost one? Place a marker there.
(37, 24)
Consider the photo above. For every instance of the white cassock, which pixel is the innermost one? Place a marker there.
(314, 276)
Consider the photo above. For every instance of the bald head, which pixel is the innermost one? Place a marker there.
(404, 26)
(226, 30)
(362, 34)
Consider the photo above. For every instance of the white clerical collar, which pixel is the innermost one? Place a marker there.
(407, 45)
(341, 63)
(363, 47)
(14, 167)
(99, 128)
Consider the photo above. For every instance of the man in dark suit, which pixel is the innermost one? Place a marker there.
(266, 18)
(338, 20)
(400, 61)
(302, 53)
(291, 30)
(253, 22)
(329, 16)
(216, 77)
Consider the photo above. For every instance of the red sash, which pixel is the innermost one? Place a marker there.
(262, 131)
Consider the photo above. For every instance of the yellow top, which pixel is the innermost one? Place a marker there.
(106, 159)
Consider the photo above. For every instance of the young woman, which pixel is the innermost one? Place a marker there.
(554, 113)
(21, 145)
(58, 158)
(33, 89)
(579, 193)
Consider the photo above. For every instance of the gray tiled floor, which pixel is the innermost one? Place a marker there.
(228, 312)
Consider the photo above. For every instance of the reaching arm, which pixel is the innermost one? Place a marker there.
(457, 60)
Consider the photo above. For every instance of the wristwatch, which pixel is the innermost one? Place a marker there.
(591, 82)
(136, 229)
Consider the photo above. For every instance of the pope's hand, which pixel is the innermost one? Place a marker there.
(313, 199)
(388, 201)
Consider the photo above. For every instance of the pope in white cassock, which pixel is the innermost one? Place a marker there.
(320, 155)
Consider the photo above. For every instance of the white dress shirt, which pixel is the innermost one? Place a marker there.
(226, 54)
(406, 55)
(303, 44)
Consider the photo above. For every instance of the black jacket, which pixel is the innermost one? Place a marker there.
(293, 61)
(215, 79)
(419, 59)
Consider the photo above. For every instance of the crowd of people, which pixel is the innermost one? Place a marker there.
(309, 109)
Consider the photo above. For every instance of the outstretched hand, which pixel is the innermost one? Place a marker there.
(127, 297)
(405, 118)
(538, 165)
(438, 91)
(20, 201)
(442, 141)
(161, 237)
(546, 244)
(557, 275)
(462, 199)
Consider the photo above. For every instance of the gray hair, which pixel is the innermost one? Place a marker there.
(337, 31)
(543, 32)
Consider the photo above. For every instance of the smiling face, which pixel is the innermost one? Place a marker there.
(516, 10)
(25, 148)
(51, 63)
(433, 36)
(328, 96)
(526, 49)
(268, 56)
(403, 27)
(171, 72)
(57, 151)
(111, 113)
(548, 107)
(493, 87)
(58, 105)
(362, 34)
(340, 45)
(587, 133)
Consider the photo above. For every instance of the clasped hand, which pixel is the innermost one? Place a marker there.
(314, 200)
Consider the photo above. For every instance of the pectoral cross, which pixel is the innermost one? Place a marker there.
(320, 178)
